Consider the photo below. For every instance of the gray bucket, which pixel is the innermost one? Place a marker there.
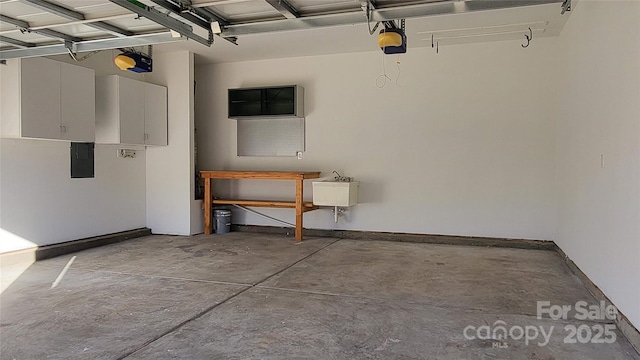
(222, 221)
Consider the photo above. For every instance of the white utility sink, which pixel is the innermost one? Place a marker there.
(335, 193)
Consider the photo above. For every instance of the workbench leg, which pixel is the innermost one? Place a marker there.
(207, 205)
(299, 199)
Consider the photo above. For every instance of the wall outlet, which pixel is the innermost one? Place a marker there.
(299, 155)
(126, 153)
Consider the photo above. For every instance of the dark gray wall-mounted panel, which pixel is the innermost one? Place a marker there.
(82, 160)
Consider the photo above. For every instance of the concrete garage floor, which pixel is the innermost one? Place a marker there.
(250, 296)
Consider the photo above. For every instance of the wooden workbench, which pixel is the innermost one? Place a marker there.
(299, 204)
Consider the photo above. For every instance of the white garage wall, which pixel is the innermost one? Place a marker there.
(599, 207)
(43, 205)
(464, 145)
(39, 202)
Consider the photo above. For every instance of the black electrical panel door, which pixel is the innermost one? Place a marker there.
(82, 160)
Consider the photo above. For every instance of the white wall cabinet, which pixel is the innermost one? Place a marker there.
(47, 99)
(130, 112)
(155, 115)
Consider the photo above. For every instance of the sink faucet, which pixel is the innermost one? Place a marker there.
(341, 178)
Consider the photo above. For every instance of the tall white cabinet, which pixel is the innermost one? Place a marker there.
(47, 99)
(130, 112)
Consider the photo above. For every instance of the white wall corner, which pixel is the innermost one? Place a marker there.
(170, 169)
(598, 148)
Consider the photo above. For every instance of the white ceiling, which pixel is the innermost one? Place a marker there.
(247, 16)
(495, 25)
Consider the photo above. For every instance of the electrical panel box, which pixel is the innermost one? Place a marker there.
(82, 160)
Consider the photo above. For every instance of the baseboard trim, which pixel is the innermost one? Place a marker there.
(49, 251)
(404, 237)
(24, 256)
(622, 322)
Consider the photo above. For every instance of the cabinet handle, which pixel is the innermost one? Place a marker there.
(63, 128)
(146, 136)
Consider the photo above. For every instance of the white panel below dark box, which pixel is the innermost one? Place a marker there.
(270, 136)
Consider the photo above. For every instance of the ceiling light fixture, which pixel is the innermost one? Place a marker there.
(215, 27)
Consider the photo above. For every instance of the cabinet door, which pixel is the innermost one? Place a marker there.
(131, 100)
(245, 102)
(40, 98)
(78, 103)
(279, 101)
(155, 115)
